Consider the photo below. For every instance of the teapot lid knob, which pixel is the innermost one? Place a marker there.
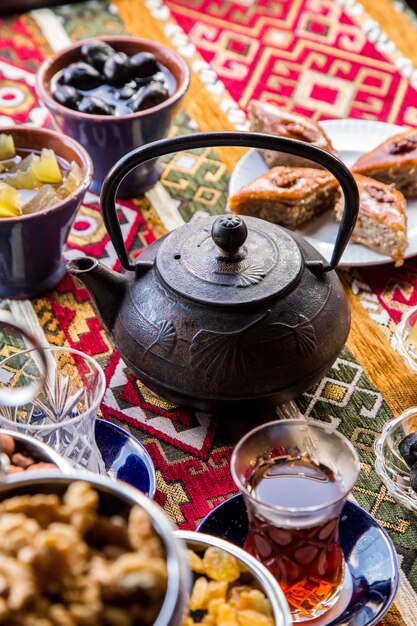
(229, 233)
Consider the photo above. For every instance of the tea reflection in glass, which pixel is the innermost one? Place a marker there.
(295, 477)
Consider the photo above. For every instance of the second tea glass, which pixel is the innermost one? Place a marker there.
(62, 413)
(308, 470)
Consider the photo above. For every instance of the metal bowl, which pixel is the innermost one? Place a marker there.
(390, 465)
(267, 583)
(117, 498)
(37, 450)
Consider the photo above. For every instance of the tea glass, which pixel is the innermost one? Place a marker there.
(297, 536)
(63, 411)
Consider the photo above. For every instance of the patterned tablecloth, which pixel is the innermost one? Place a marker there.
(324, 58)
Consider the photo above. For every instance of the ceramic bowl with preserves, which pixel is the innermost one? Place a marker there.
(114, 94)
(230, 584)
(390, 464)
(33, 234)
(96, 551)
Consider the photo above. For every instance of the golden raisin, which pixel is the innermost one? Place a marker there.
(220, 565)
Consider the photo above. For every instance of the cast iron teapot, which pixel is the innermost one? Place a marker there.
(224, 313)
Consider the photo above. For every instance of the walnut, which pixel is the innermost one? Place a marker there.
(44, 508)
(58, 550)
(62, 564)
(82, 504)
(37, 620)
(84, 601)
(302, 132)
(139, 527)
(404, 145)
(16, 532)
(4, 609)
(379, 194)
(285, 178)
(117, 616)
(129, 574)
(21, 583)
(60, 616)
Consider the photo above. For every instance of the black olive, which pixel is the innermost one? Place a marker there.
(413, 477)
(408, 449)
(125, 93)
(143, 65)
(81, 75)
(116, 69)
(67, 96)
(150, 96)
(92, 104)
(96, 53)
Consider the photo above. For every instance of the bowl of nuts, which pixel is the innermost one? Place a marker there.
(22, 453)
(230, 586)
(83, 549)
(114, 94)
(396, 458)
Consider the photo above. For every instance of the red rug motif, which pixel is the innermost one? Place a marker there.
(307, 56)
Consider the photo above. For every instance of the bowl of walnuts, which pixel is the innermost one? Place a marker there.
(84, 549)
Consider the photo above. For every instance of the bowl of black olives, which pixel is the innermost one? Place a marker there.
(114, 94)
(396, 458)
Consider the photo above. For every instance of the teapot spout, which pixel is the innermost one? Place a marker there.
(106, 287)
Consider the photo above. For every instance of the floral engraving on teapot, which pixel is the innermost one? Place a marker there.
(251, 275)
(241, 274)
(218, 352)
(166, 336)
(304, 335)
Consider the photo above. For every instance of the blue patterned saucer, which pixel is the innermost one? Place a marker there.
(369, 554)
(125, 458)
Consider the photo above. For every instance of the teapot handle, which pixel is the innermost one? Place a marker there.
(156, 149)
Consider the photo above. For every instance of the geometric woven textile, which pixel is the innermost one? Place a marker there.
(322, 58)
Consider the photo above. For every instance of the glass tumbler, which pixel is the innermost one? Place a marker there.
(62, 413)
(295, 476)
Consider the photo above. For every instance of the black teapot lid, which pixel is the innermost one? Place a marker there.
(229, 265)
(229, 261)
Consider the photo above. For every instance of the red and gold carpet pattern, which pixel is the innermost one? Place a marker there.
(323, 58)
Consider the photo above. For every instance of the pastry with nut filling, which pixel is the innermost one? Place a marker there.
(268, 118)
(288, 196)
(382, 219)
(394, 161)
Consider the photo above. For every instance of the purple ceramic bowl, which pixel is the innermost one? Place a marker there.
(107, 138)
(31, 245)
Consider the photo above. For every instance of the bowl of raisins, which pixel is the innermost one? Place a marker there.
(230, 585)
(114, 94)
(44, 176)
(396, 458)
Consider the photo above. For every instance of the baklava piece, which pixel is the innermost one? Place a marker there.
(268, 118)
(382, 220)
(287, 196)
(394, 161)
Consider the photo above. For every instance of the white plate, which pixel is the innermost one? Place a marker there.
(350, 138)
